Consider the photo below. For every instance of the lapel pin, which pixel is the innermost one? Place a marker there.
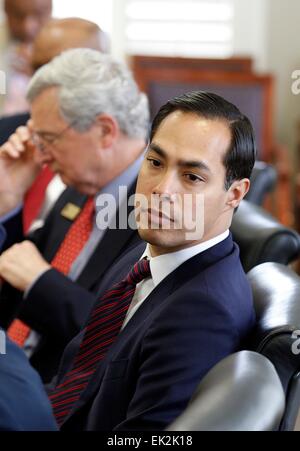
(70, 211)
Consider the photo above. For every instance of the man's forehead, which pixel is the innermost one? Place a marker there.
(188, 130)
(45, 108)
(181, 119)
(48, 96)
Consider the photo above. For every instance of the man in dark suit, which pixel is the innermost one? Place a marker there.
(21, 390)
(2, 236)
(183, 302)
(24, 405)
(9, 124)
(95, 153)
(24, 19)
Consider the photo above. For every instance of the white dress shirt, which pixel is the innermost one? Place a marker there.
(162, 266)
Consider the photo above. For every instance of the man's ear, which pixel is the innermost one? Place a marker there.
(108, 128)
(237, 192)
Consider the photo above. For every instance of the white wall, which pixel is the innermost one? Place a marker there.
(118, 29)
(87, 9)
(283, 57)
(251, 30)
(268, 30)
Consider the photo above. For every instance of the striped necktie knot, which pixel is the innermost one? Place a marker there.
(140, 271)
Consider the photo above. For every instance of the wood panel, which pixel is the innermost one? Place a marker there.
(235, 64)
(150, 77)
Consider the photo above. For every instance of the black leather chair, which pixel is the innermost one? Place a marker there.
(240, 393)
(276, 292)
(263, 182)
(262, 238)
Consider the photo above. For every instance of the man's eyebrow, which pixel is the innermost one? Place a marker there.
(157, 149)
(45, 133)
(197, 164)
(194, 164)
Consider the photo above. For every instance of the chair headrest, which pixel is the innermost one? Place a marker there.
(261, 238)
(240, 393)
(276, 294)
(263, 181)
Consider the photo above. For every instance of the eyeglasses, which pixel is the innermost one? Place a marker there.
(40, 140)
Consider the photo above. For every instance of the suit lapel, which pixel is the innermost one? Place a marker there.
(57, 226)
(105, 254)
(177, 278)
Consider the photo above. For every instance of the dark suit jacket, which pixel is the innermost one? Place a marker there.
(196, 316)
(24, 405)
(2, 236)
(56, 307)
(9, 124)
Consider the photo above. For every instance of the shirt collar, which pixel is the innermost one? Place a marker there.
(163, 265)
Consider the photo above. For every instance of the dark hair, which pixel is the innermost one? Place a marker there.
(240, 157)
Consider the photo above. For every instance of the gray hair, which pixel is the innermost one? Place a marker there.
(91, 83)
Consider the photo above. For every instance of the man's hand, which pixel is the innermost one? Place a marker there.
(20, 163)
(22, 264)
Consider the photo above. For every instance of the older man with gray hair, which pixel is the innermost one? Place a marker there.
(89, 123)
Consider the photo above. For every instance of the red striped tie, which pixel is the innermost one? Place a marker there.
(101, 331)
(70, 248)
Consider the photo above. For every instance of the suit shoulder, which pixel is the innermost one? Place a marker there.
(215, 296)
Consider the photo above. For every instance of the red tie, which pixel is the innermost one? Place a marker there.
(35, 196)
(70, 248)
(75, 239)
(100, 333)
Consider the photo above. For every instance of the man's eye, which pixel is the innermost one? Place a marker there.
(153, 162)
(193, 178)
(48, 138)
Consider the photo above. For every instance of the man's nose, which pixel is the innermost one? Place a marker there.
(167, 186)
(46, 156)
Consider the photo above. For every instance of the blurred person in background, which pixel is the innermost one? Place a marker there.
(24, 20)
(21, 389)
(56, 36)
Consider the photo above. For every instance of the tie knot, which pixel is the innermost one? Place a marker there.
(139, 272)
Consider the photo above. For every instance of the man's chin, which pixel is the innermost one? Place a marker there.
(68, 182)
(83, 188)
(160, 238)
(86, 189)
